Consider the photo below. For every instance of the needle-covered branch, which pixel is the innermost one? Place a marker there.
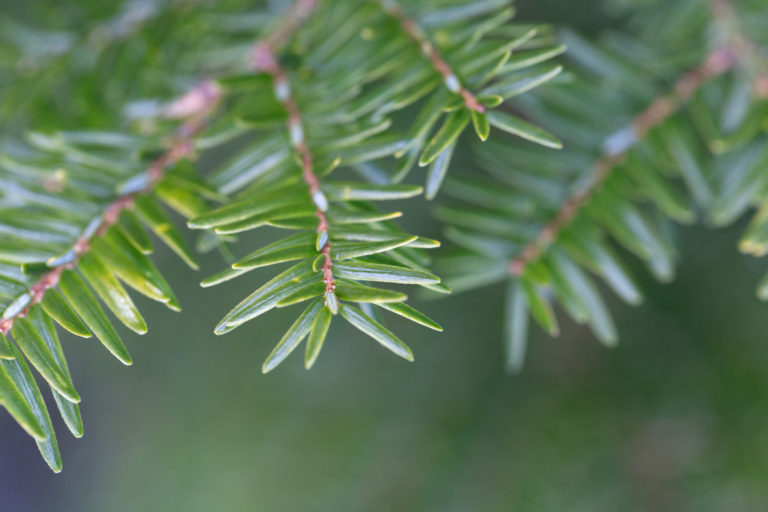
(341, 240)
(634, 130)
(320, 111)
(619, 144)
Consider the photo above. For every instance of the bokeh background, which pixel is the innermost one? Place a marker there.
(674, 418)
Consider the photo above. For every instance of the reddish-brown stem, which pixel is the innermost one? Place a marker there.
(180, 149)
(431, 53)
(264, 59)
(193, 106)
(296, 131)
(716, 63)
(737, 48)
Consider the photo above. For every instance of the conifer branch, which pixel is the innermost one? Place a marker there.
(737, 48)
(617, 145)
(264, 59)
(293, 117)
(194, 105)
(430, 52)
(87, 261)
(342, 240)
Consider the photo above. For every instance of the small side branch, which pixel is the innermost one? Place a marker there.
(431, 53)
(617, 146)
(264, 59)
(296, 130)
(181, 148)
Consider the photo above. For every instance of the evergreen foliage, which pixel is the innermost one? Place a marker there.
(325, 109)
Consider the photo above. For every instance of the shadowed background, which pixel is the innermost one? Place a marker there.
(674, 418)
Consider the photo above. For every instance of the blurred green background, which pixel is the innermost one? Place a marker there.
(674, 418)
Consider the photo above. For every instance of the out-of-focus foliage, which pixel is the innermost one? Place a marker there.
(651, 138)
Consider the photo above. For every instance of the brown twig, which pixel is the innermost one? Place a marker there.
(180, 149)
(430, 52)
(264, 59)
(193, 107)
(617, 146)
(736, 48)
(269, 63)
